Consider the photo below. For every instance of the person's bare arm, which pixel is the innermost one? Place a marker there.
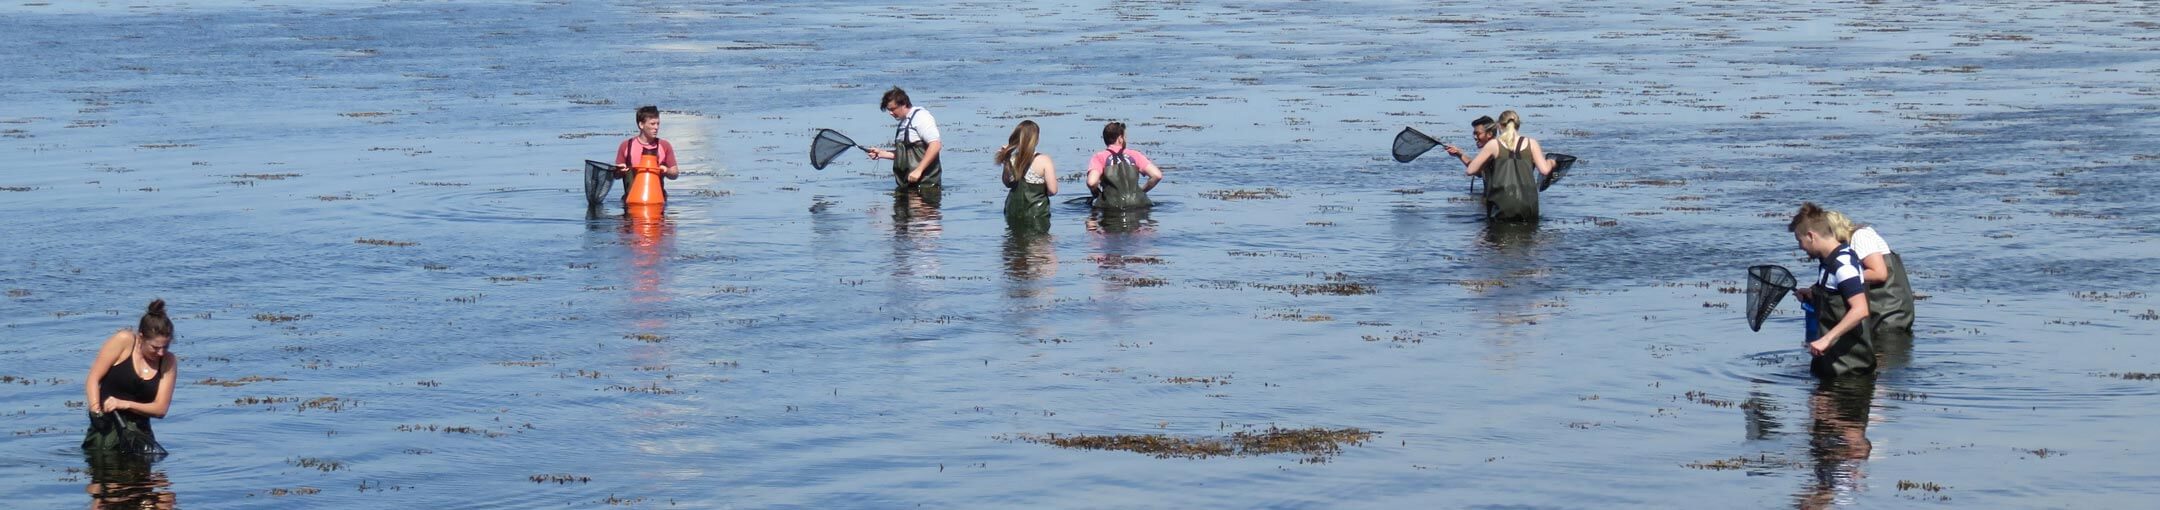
(1873, 269)
(158, 407)
(1856, 310)
(1049, 172)
(115, 346)
(1537, 157)
(1483, 154)
(936, 146)
(1154, 174)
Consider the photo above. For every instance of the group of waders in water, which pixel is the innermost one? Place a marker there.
(1861, 293)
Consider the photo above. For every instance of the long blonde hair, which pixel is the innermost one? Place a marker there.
(1840, 226)
(1019, 151)
(1510, 126)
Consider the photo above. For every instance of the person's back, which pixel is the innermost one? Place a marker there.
(1030, 178)
(1511, 185)
(1114, 173)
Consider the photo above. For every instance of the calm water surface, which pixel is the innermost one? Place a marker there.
(372, 207)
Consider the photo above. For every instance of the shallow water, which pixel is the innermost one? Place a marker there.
(791, 337)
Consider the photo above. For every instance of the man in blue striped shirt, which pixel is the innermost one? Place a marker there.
(1839, 296)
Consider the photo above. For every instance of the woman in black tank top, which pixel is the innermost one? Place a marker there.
(130, 383)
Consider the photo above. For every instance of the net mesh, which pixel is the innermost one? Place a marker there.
(1409, 144)
(1766, 286)
(1561, 163)
(827, 146)
(599, 178)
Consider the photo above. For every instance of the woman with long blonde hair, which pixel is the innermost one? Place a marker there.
(1511, 188)
(1030, 175)
(1890, 296)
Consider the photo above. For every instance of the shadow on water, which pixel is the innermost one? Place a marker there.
(128, 480)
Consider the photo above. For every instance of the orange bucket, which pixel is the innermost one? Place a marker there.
(645, 188)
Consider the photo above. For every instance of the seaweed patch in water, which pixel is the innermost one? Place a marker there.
(234, 383)
(316, 464)
(1316, 444)
(1763, 462)
(559, 479)
(1906, 485)
(384, 242)
(275, 318)
(1244, 194)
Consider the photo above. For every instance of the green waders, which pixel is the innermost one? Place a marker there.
(906, 154)
(1028, 204)
(1849, 354)
(1511, 186)
(120, 432)
(1890, 305)
(1121, 187)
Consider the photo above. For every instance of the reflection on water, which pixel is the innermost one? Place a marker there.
(1838, 445)
(1121, 222)
(127, 480)
(650, 236)
(1030, 255)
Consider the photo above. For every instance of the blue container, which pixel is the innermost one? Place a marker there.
(1814, 329)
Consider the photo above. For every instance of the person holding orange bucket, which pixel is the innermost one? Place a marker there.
(646, 158)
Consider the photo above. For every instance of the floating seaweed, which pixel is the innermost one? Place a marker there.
(1245, 194)
(234, 383)
(384, 242)
(1316, 444)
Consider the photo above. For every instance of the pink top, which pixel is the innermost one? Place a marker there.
(1102, 159)
(628, 154)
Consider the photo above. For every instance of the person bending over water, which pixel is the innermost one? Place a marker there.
(915, 143)
(1031, 177)
(1114, 173)
(1511, 185)
(1839, 296)
(1890, 296)
(130, 382)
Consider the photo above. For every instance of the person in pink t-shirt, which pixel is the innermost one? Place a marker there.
(1113, 135)
(646, 149)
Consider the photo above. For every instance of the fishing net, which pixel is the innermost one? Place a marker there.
(1561, 162)
(827, 146)
(599, 178)
(1766, 286)
(1409, 144)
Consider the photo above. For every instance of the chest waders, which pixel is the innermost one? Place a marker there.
(1854, 352)
(1890, 305)
(1121, 189)
(1028, 204)
(906, 154)
(1511, 186)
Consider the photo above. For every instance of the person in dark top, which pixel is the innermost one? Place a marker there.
(1839, 295)
(131, 382)
(1518, 163)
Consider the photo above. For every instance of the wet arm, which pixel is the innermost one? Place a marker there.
(104, 362)
(1874, 270)
(1049, 173)
(931, 155)
(1537, 157)
(156, 408)
(1856, 310)
(1475, 163)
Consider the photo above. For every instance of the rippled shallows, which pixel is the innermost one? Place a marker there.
(366, 218)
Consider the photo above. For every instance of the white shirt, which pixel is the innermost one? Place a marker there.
(1035, 174)
(1866, 242)
(919, 127)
